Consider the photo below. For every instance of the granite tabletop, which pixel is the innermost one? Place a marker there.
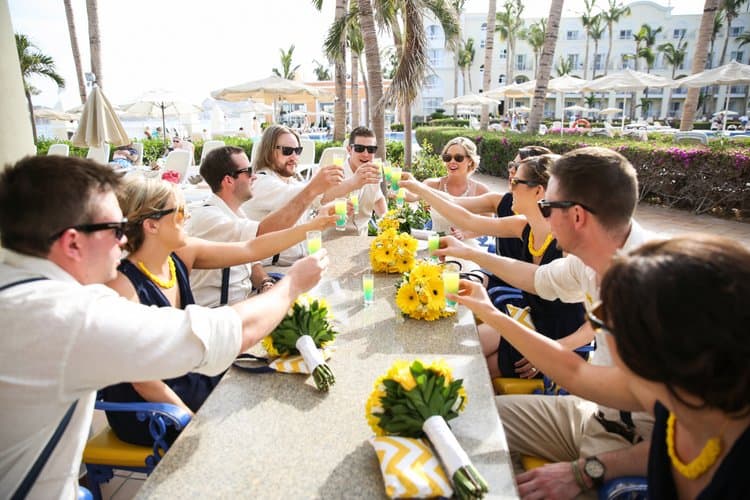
(273, 435)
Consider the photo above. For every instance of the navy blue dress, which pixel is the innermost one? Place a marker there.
(730, 481)
(552, 318)
(192, 388)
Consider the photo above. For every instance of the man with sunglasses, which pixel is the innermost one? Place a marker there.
(65, 334)
(278, 186)
(361, 177)
(591, 197)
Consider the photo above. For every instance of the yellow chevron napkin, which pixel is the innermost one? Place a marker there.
(521, 314)
(410, 468)
(295, 364)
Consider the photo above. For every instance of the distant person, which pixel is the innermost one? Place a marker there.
(157, 133)
(179, 143)
(147, 132)
(243, 133)
(255, 127)
(124, 157)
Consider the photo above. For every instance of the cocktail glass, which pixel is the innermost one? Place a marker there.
(433, 243)
(395, 177)
(450, 284)
(314, 241)
(368, 287)
(340, 206)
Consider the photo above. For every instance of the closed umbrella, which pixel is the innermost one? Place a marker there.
(733, 73)
(99, 123)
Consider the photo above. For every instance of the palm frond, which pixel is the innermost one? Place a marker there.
(412, 66)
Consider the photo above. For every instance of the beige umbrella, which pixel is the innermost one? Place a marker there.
(160, 104)
(471, 100)
(99, 123)
(53, 114)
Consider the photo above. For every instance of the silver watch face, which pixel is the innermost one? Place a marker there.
(594, 468)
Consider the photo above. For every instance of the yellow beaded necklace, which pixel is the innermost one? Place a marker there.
(704, 461)
(540, 252)
(163, 284)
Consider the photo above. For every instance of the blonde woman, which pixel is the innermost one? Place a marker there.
(155, 272)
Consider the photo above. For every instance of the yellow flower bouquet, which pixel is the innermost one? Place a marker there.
(416, 400)
(421, 294)
(304, 330)
(391, 252)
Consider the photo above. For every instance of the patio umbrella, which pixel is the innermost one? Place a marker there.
(160, 103)
(472, 100)
(627, 81)
(99, 123)
(733, 73)
(272, 86)
(53, 114)
(520, 109)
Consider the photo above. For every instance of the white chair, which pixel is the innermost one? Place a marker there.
(256, 145)
(691, 136)
(209, 145)
(99, 154)
(138, 146)
(59, 150)
(308, 152)
(179, 161)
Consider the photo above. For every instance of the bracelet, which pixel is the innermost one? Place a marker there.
(578, 476)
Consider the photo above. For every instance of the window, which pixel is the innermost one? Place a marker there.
(484, 26)
(481, 43)
(572, 35)
(626, 34)
(503, 53)
(432, 81)
(521, 62)
(679, 33)
(675, 107)
(599, 60)
(736, 55)
(435, 57)
(573, 61)
(501, 79)
(737, 30)
(433, 32)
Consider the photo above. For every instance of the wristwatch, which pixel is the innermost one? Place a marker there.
(594, 469)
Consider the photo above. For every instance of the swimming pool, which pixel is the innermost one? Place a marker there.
(389, 136)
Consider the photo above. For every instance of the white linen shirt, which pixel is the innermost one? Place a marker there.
(369, 194)
(215, 221)
(63, 340)
(271, 192)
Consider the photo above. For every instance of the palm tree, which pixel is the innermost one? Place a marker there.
(33, 63)
(564, 67)
(95, 41)
(74, 48)
(596, 31)
(718, 24)
(545, 64)
(731, 11)
(675, 56)
(699, 61)
(466, 61)
(612, 16)
(509, 25)
(458, 7)
(647, 36)
(322, 73)
(535, 38)
(339, 73)
(374, 72)
(286, 72)
(587, 18)
(744, 39)
(488, 46)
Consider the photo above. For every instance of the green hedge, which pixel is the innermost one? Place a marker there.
(703, 179)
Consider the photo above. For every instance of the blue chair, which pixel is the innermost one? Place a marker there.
(105, 452)
(626, 487)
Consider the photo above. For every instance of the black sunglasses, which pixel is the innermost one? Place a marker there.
(119, 228)
(158, 214)
(459, 158)
(360, 148)
(546, 206)
(593, 318)
(514, 181)
(288, 150)
(237, 173)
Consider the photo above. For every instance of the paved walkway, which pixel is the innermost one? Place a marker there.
(662, 219)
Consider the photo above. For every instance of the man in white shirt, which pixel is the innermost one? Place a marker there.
(227, 171)
(277, 185)
(65, 334)
(591, 196)
(361, 177)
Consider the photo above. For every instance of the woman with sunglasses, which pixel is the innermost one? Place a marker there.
(553, 319)
(156, 272)
(461, 160)
(676, 312)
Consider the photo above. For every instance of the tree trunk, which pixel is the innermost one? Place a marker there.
(407, 137)
(367, 91)
(355, 89)
(455, 81)
(586, 58)
(545, 65)
(31, 113)
(76, 52)
(339, 75)
(609, 51)
(95, 41)
(488, 45)
(374, 73)
(593, 66)
(726, 40)
(699, 62)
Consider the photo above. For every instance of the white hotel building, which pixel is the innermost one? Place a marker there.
(571, 46)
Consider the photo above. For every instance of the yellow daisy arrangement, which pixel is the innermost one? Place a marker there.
(416, 400)
(421, 294)
(391, 252)
(305, 329)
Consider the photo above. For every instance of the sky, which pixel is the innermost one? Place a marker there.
(196, 46)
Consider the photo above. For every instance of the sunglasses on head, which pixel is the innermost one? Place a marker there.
(237, 173)
(119, 228)
(288, 150)
(593, 316)
(546, 206)
(512, 165)
(158, 214)
(514, 181)
(360, 148)
(458, 158)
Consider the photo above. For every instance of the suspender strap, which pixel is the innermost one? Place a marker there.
(224, 287)
(36, 469)
(21, 282)
(275, 260)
